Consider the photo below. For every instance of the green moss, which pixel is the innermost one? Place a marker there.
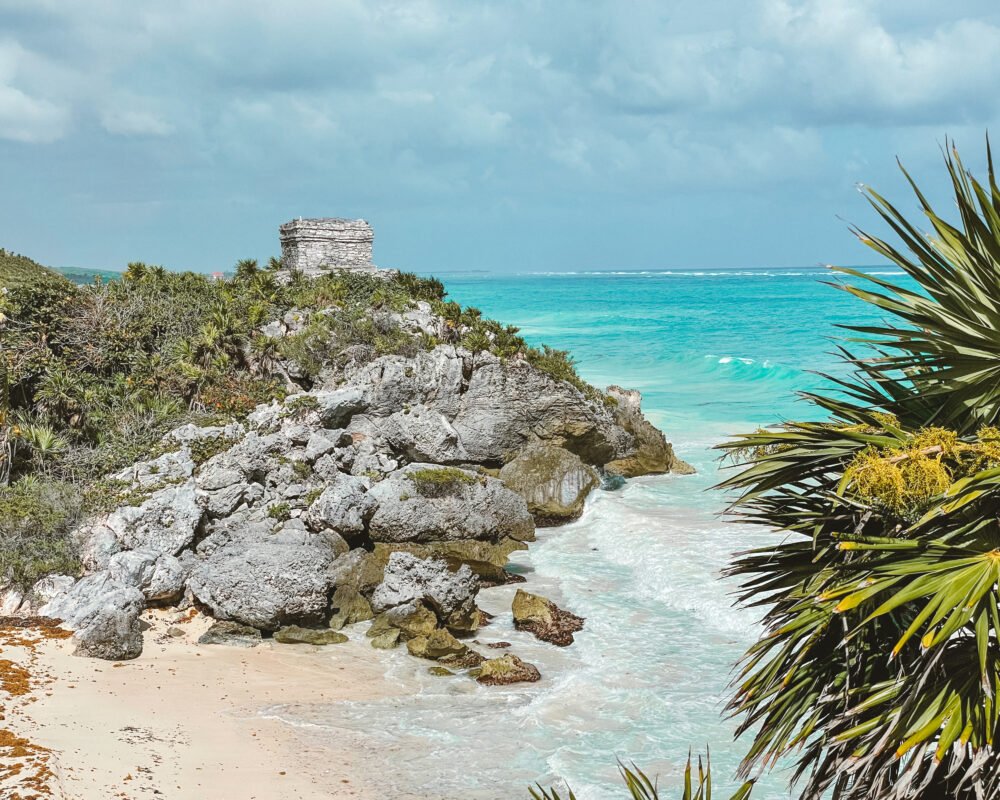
(440, 481)
(301, 404)
(204, 449)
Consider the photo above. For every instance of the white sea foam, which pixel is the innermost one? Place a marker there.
(645, 680)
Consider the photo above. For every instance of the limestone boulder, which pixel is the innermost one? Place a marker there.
(159, 576)
(554, 482)
(266, 583)
(345, 506)
(173, 467)
(231, 634)
(544, 619)
(427, 503)
(293, 634)
(505, 670)
(420, 433)
(652, 454)
(96, 544)
(103, 614)
(439, 644)
(166, 522)
(349, 606)
(430, 581)
(190, 435)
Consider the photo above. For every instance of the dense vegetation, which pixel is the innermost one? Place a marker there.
(880, 664)
(92, 376)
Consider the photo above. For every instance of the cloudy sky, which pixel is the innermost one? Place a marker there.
(506, 135)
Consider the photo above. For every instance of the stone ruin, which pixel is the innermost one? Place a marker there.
(315, 246)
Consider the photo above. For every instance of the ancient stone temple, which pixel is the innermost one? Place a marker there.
(314, 246)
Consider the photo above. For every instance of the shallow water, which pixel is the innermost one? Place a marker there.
(714, 352)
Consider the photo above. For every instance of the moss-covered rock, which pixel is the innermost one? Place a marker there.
(440, 672)
(232, 634)
(653, 454)
(544, 619)
(409, 621)
(293, 634)
(349, 606)
(505, 670)
(485, 559)
(553, 481)
(386, 640)
(439, 644)
(466, 660)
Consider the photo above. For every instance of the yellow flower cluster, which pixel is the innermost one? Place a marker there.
(904, 480)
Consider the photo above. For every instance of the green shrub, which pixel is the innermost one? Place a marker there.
(280, 511)
(440, 481)
(209, 447)
(36, 517)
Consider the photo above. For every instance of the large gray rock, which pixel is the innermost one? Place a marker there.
(190, 433)
(423, 434)
(96, 543)
(266, 583)
(652, 453)
(336, 408)
(16, 602)
(426, 503)
(168, 468)
(104, 615)
(159, 576)
(231, 634)
(497, 408)
(344, 506)
(408, 578)
(166, 522)
(554, 482)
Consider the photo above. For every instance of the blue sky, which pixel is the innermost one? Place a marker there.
(515, 135)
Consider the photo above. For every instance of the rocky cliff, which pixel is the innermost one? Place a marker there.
(390, 490)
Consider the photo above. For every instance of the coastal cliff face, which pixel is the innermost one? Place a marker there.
(385, 488)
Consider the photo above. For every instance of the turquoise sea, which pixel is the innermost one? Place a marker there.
(713, 352)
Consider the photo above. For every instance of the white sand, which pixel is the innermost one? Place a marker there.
(181, 721)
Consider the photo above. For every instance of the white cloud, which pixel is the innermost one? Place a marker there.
(517, 101)
(133, 122)
(29, 119)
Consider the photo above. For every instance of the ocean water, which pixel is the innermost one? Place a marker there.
(714, 353)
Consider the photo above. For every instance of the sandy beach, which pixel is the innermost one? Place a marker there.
(179, 722)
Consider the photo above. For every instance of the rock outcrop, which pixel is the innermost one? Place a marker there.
(104, 615)
(488, 410)
(389, 492)
(651, 454)
(544, 619)
(293, 634)
(505, 670)
(554, 482)
(232, 634)
(429, 503)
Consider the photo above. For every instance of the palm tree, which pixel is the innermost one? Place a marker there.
(246, 269)
(135, 271)
(879, 666)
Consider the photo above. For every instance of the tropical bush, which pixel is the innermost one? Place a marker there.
(92, 376)
(878, 669)
(36, 517)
